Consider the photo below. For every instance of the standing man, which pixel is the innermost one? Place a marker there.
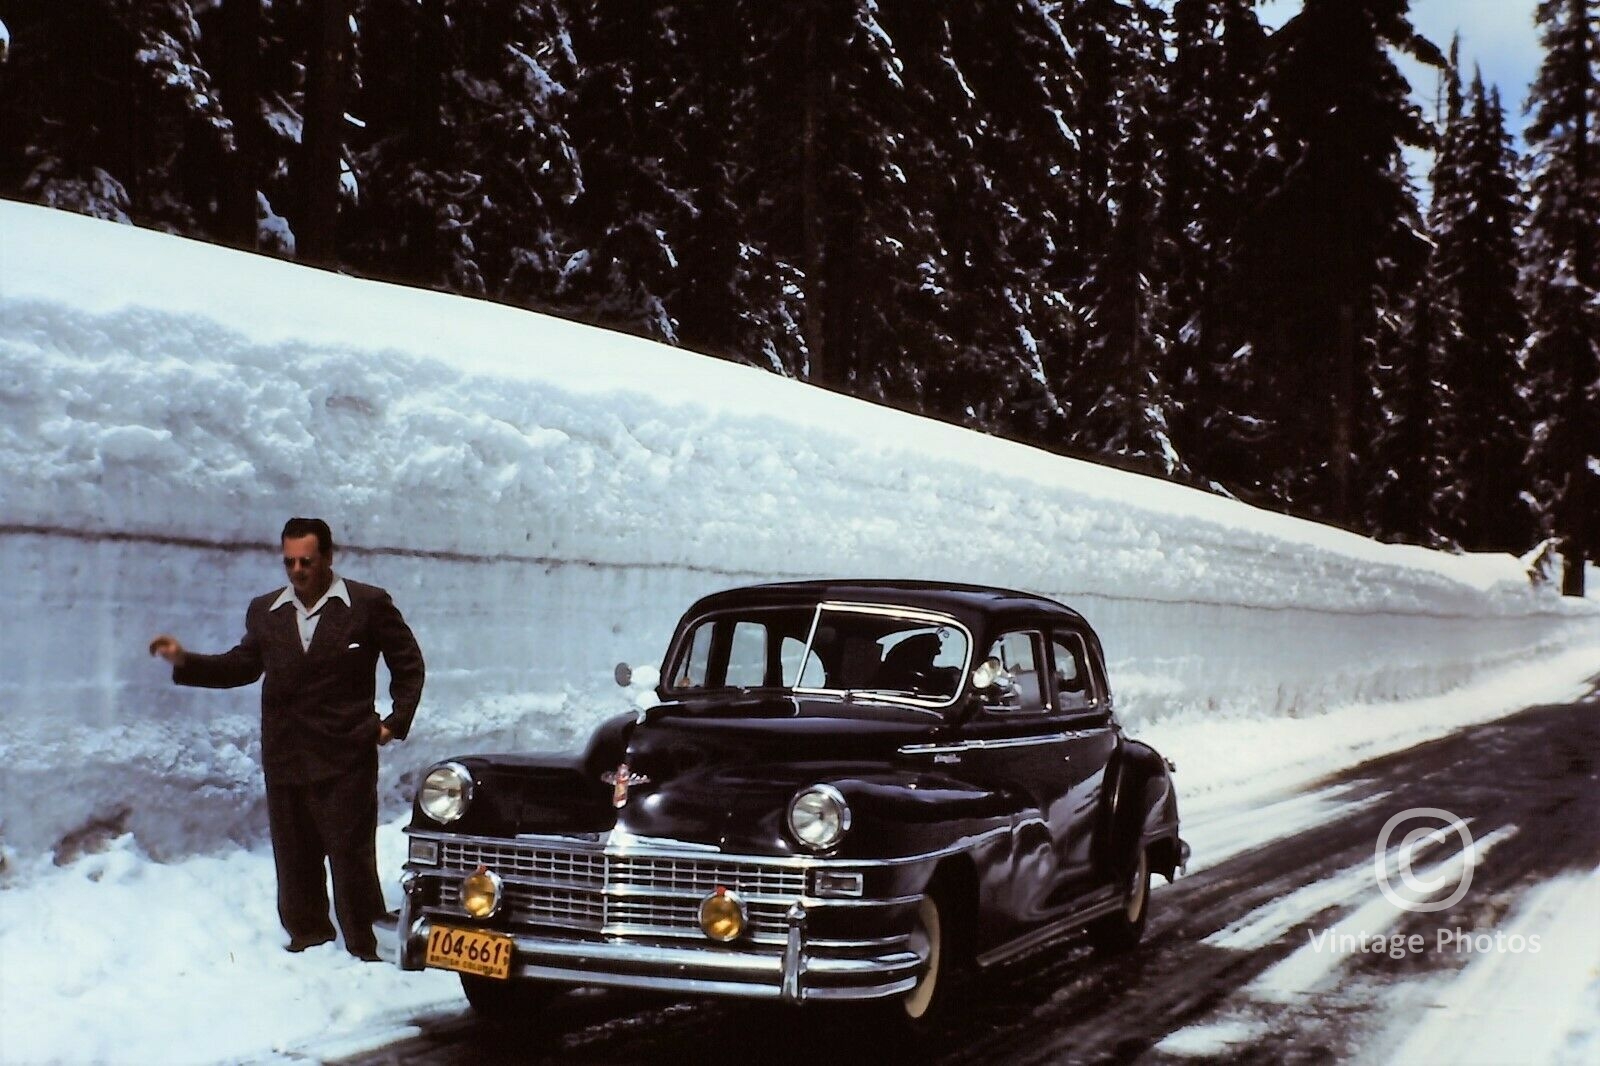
(318, 643)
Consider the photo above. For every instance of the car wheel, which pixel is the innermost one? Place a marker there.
(920, 1012)
(1122, 930)
(508, 1002)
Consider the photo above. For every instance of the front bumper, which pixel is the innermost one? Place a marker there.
(621, 912)
(797, 973)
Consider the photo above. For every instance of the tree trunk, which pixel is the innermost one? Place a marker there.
(322, 142)
(1572, 577)
(1578, 538)
(819, 371)
(240, 82)
(1343, 437)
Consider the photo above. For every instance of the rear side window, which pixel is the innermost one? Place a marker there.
(1075, 685)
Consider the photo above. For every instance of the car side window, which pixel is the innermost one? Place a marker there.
(1020, 685)
(692, 671)
(1075, 687)
(747, 655)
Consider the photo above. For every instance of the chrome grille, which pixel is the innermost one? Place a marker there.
(589, 891)
(682, 916)
(537, 905)
(704, 876)
(518, 860)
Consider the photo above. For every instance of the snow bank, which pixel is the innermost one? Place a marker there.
(543, 498)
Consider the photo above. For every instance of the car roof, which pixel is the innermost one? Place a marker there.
(968, 602)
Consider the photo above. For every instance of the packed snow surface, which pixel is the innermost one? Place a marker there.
(543, 499)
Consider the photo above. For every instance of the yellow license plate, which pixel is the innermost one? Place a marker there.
(470, 951)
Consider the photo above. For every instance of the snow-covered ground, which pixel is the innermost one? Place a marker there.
(543, 499)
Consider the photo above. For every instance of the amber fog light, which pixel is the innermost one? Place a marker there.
(722, 916)
(480, 893)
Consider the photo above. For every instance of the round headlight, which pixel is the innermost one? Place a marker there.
(445, 792)
(819, 817)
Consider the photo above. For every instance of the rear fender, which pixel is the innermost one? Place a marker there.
(1143, 813)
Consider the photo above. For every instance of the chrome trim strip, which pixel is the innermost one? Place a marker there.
(619, 841)
(813, 902)
(792, 861)
(694, 986)
(649, 892)
(981, 744)
(1076, 920)
(900, 940)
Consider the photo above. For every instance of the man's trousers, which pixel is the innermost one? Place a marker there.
(334, 819)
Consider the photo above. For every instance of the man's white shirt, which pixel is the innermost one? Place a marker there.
(307, 618)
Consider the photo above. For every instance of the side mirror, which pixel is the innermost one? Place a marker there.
(624, 674)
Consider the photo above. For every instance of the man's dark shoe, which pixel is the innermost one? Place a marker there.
(300, 943)
(367, 955)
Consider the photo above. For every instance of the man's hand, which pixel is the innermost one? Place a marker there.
(169, 649)
(384, 736)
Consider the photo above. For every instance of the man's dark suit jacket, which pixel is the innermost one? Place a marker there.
(318, 707)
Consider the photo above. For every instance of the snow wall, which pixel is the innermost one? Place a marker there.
(543, 499)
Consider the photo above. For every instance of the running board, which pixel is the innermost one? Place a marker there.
(1045, 933)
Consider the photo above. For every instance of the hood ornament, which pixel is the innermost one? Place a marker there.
(621, 779)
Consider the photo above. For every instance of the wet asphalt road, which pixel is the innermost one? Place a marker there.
(1538, 771)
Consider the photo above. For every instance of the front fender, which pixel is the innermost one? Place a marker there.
(893, 814)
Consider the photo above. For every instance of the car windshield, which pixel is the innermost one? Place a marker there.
(892, 653)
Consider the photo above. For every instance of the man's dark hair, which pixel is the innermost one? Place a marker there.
(301, 527)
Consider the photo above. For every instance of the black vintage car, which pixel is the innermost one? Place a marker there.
(849, 790)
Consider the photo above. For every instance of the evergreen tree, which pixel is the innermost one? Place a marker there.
(1125, 359)
(1409, 474)
(731, 292)
(107, 110)
(1482, 415)
(1332, 253)
(1215, 146)
(635, 126)
(1117, 394)
(868, 248)
(989, 82)
(466, 167)
(1562, 253)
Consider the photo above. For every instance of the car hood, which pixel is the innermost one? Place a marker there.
(712, 771)
(723, 772)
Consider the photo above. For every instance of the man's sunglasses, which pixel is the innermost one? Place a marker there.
(291, 562)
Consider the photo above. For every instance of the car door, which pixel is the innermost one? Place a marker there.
(1081, 710)
(1014, 742)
